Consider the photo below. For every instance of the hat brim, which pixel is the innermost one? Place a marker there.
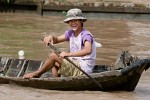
(72, 18)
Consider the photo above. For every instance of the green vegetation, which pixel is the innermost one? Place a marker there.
(7, 1)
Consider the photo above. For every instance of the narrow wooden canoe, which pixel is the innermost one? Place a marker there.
(12, 70)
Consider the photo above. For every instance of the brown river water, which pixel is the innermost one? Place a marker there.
(21, 31)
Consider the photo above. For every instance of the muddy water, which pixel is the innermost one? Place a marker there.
(24, 32)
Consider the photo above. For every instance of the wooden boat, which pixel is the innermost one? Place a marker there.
(12, 70)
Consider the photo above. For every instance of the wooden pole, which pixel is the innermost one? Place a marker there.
(58, 52)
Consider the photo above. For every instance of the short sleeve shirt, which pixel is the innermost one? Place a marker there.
(84, 35)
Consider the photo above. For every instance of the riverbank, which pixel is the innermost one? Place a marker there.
(98, 6)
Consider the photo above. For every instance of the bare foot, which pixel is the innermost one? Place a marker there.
(31, 75)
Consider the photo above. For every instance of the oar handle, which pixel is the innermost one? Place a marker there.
(58, 52)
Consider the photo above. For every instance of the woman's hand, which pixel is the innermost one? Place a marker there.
(49, 39)
(64, 54)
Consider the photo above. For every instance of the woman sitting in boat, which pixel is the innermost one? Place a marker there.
(82, 49)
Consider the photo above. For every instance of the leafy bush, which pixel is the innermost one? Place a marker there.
(7, 1)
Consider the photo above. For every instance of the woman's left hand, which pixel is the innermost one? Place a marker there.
(64, 54)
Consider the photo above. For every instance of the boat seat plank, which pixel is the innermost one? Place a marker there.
(33, 66)
(16, 67)
(4, 62)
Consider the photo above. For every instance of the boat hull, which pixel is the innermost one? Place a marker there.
(123, 79)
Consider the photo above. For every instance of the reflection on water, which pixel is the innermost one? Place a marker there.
(24, 32)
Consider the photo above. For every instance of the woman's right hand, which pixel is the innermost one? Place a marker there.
(48, 39)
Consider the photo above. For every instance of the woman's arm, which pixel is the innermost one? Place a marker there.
(54, 39)
(85, 51)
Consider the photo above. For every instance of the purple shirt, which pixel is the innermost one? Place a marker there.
(85, 35)
(86, 62)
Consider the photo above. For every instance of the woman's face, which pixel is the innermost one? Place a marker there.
(75, 24)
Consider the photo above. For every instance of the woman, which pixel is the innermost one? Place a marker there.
(82, 49)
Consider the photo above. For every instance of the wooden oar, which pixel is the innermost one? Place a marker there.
(58, 52)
